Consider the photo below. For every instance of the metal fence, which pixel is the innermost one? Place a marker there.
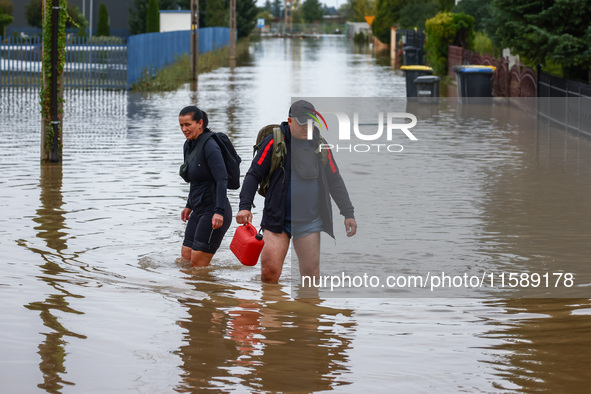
(97, 62)
(565, 103)
(20, 61)
(102, 62)
(149, 52)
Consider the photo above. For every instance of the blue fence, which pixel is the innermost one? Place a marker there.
(103, 62)
(147, 53)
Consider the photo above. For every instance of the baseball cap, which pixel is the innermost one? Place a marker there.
(302, 110)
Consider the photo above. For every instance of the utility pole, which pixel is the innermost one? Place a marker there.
(232, 33)
(55, 155)
(288, 17)
(90, 20)
(50, 123)
(195, 38)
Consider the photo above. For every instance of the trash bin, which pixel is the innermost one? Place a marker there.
(427, 86)
(411, 73)
(412, 55)
(474, 81)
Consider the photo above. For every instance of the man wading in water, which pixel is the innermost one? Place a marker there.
(297, 202)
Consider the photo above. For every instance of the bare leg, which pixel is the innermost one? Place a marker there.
(186, 253)
(308, 250)
(273, 255)
(200, 259)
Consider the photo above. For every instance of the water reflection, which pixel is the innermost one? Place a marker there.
(538, 214)
(51, 226)
(545, 345)
(232, 103)
(267, 342)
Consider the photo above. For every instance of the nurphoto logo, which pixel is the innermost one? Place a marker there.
(395, 121)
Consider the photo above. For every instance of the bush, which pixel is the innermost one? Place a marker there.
(361, 38)
(152, 17)
(443, 30)
(102, 28)
(483, 44)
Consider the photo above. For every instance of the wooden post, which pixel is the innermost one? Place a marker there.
(393, 46)
(195, 39)
(233, 32)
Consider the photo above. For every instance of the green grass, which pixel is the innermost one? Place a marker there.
(176, 74)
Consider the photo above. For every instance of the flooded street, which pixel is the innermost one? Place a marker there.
(95, 298)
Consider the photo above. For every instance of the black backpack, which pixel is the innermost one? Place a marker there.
(231, 158)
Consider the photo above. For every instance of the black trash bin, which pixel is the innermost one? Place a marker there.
(474, 82)
(427, 86)
(412, 73)
(412, 55)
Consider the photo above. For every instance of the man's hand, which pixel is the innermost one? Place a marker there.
(350, 227)
(244, 216)
(185, 214)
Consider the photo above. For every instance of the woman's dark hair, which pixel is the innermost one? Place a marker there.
(196, 115)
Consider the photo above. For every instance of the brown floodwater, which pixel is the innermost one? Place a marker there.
(96, 299)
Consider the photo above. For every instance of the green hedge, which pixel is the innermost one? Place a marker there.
(443, 30)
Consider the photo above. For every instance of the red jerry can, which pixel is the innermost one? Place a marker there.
(247, 244)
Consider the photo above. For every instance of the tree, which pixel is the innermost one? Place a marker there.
(6, 8)
(312, 11)
(137, 14)
(34, 15)
(479, 9)
(216, 13)
(415, 13)
(102, 28)
(361, 9)
(277, 9)
(152, 17)
(246, 13)
(266, 15)
(446, 5)
(346, 11)
(387, 14)
(5, 20)
(543, 31)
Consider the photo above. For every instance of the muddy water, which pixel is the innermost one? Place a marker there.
(95, 298)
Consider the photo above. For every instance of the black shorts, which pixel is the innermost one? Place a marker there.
(199, 234)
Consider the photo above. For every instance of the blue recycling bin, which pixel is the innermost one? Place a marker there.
(474, 81)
